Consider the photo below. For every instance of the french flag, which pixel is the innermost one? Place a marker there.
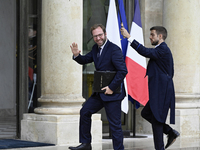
(137, 82)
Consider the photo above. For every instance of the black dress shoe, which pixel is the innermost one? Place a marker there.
(83, 146)
(172, 137)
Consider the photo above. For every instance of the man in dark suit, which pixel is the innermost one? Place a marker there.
(160, 71)
(106, 57)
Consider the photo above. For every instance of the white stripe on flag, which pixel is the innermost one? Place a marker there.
(137, 34)
(112, 27)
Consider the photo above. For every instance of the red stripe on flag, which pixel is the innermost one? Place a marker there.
(137, 83)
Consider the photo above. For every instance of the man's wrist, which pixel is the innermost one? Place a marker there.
(75, 56)
(130, 39)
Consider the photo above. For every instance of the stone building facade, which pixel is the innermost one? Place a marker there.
(63, 85)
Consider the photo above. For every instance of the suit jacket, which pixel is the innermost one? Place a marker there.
(160, 71)
(111, 59)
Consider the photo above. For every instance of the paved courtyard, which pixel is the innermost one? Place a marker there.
(143, 142)
(132, 144)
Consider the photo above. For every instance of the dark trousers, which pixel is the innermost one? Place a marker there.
(157, 127)
(113, 113)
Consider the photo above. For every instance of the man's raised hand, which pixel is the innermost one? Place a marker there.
(74, 48)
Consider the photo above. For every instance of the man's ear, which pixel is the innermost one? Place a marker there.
(160, 36)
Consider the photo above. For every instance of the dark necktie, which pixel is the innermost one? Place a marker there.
(99, 54)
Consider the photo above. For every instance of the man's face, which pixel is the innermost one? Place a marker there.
(154, 38)
(99, 36)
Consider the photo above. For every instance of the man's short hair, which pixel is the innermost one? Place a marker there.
(160, 30)
(96, 26)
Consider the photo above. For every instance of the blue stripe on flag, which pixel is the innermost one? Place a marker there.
(137, 18)
(124, 41)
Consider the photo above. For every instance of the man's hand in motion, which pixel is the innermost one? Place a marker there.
(74, 48)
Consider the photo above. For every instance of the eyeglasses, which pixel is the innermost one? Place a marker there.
(99, 35)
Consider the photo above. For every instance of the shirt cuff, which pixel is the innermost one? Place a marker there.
(130, 39)
(74, 56)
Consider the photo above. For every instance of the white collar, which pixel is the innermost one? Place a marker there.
(157, 45)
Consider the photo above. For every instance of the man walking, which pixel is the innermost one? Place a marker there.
(106, 57)
(160, 71)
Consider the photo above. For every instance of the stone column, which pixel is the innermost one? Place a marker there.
(57, 120)
(61, 76)
(181, 18)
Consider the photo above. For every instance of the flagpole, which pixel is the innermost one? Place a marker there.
(134, 114)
